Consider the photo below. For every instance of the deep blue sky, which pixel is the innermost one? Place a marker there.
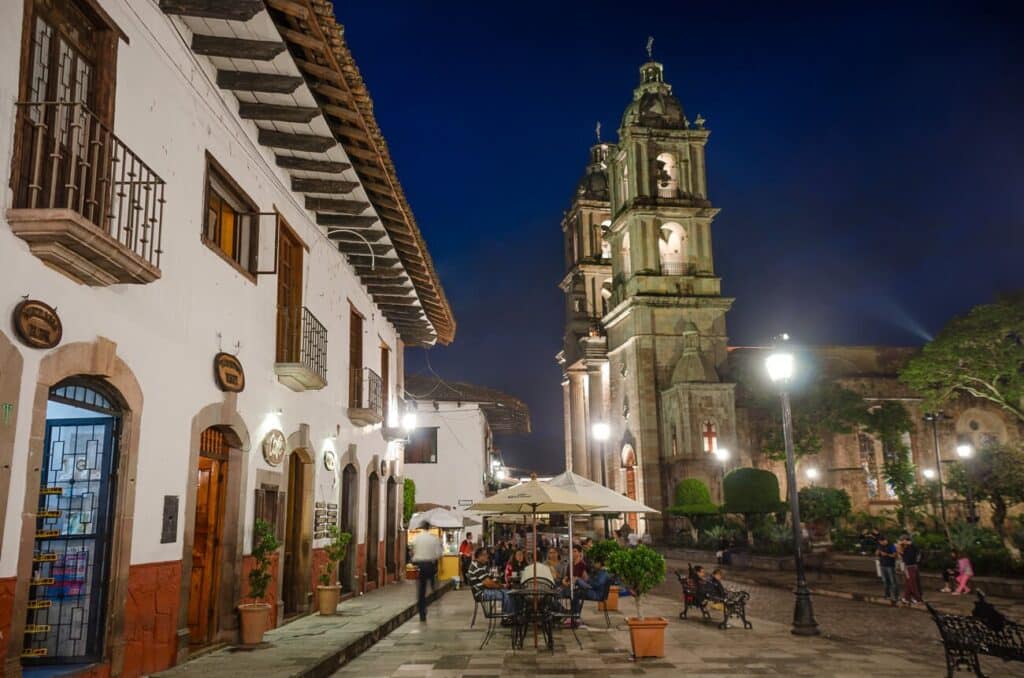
(868, 161)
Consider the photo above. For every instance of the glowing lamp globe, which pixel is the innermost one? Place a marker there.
(722, 454)
(964, 450)
(929, 473)
(780, 366)
(409, 421)
(601, 431)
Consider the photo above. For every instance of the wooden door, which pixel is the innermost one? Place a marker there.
(294, 584)
(355, 359)
(211, 483)
(289, 296)
(385, 375)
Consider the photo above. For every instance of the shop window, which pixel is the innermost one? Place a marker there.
(231, 222)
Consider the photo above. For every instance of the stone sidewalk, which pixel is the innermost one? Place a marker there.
(446, 646)
(314, 645)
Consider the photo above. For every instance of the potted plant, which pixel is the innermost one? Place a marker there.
(641, 569)
(602, 552)
(328, 592)
(255, 615)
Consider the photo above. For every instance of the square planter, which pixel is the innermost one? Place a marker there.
(647, 636)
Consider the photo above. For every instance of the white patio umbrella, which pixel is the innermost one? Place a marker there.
(533, 497)
(438, 517)
(611, 501)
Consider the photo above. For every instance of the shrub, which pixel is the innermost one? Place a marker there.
(826, 504)
(264, 543)
(751, 492)
(408, 499)
(693, 502)
(603, 551)
(640, 568)
(336, 551)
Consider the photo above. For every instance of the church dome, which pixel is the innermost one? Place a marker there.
(593, 185)
(653, 103)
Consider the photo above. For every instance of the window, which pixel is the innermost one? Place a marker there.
(355, 358)
(668, 183)
(709, 433)
(672, 248)
(422, 446)
(869, 462)
(385, 377)
(230, 226)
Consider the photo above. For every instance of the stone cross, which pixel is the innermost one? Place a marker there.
(650, 47)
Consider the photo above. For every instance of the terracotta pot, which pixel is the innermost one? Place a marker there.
(327, 598)
(647, 636)
(412, 572)
(255, 620)
(612, 605)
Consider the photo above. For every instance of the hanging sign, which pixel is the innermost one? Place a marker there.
(228, 373)
(273, 447)
(37, 324)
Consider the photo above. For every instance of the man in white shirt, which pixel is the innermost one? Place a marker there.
(633, 539)
(426, 551)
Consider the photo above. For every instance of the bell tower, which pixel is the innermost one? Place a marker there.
(666, 318)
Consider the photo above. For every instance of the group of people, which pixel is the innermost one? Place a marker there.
(705, 586)
(901, 561)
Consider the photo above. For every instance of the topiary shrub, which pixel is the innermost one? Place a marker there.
(693, 502)
(603, 551)
(408, 499)
(824, 504)
(640, 568)
(751, 492)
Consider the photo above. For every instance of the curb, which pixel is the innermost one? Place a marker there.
(827, 593)
(334, 660)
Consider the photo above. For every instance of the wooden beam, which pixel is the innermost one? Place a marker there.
(228, 10)
(350, 132)
(342, 113)
(336, 205)
(307, 185)
(325, 166)
(360, 247)
(236, 48)
(353, 235)
(318, 71)
(289, 7)
(296, 142)
(380, 286)
(278, 113)
(301, 39)
(258, 82)
(364, 153)
(332, 92)
(379, 262)
(347, 220)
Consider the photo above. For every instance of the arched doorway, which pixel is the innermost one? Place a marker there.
(391, 529)
(349, 514)
(65, 615)
(298, 533)
(629, 464)
(372, 528)
(211, 482)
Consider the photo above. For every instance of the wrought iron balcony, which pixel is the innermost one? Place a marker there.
(83, 201)
(301, 350)
(365, 397)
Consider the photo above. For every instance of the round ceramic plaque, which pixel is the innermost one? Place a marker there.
(273, 447)
(330, 460)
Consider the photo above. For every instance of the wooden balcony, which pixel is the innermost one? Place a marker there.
(302, 351)
(84, 202)
(365, 397)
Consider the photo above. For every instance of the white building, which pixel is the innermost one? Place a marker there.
(197, 189)
(451, 455)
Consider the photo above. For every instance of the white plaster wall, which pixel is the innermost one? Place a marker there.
(170, 113)
(461, 455)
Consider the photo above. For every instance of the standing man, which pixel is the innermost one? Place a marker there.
(886, 553)
(426, 551)
(466, 554)
(911, 560)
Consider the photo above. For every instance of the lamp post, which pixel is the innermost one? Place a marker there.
(780, 366)
(965, 452)
(934, 418)
(722, 455)
(600, 431)
(812, 474)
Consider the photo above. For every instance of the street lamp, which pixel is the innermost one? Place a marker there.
(781, 365)
(812, 474)
(965, 451)
(601, 431)
(722, 455)
(934, 418)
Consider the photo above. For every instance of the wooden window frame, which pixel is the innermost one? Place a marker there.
(415, 432)
(242, 197)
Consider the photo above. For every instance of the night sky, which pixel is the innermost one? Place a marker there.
(868, 161)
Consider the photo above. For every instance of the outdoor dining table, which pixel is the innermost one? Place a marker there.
(532, 608)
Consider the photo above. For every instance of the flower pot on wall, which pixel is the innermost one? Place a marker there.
(647, 636)
(255, 618)
(612, 604)
(327, 598)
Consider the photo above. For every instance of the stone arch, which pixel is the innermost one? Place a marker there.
(11, 366)
(373, 510)
(673, 249)
(667, 175)
(224, 417)
(98, 360)
(348, 516)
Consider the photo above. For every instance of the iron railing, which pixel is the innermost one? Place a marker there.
(68, 159)
(302, 339)
(674, 267)
(365, 390)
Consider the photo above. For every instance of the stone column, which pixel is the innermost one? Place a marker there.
(595, 396)
(578, 406)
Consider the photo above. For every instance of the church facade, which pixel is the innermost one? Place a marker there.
(646, 349)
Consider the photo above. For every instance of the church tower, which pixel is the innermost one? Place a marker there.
(665, 322)
(587, 288)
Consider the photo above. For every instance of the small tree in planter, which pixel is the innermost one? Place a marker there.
(254, 615)
(641, 569)
(602, 552)
(328, 592)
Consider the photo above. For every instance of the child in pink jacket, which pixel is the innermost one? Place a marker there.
(964, 574)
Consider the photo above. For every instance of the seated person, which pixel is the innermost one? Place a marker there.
(515, 566)
(484, 586)
(699, 584)
(715, 586)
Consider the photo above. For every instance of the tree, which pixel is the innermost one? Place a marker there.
(693, 502)
(751, 492)
(640, 568)
(995, 474)
(980, 354)
(408, 499)
(825, 504)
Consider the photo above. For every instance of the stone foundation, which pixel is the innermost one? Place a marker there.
(151, 617)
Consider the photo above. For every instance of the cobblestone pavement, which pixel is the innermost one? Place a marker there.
(446, 646)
